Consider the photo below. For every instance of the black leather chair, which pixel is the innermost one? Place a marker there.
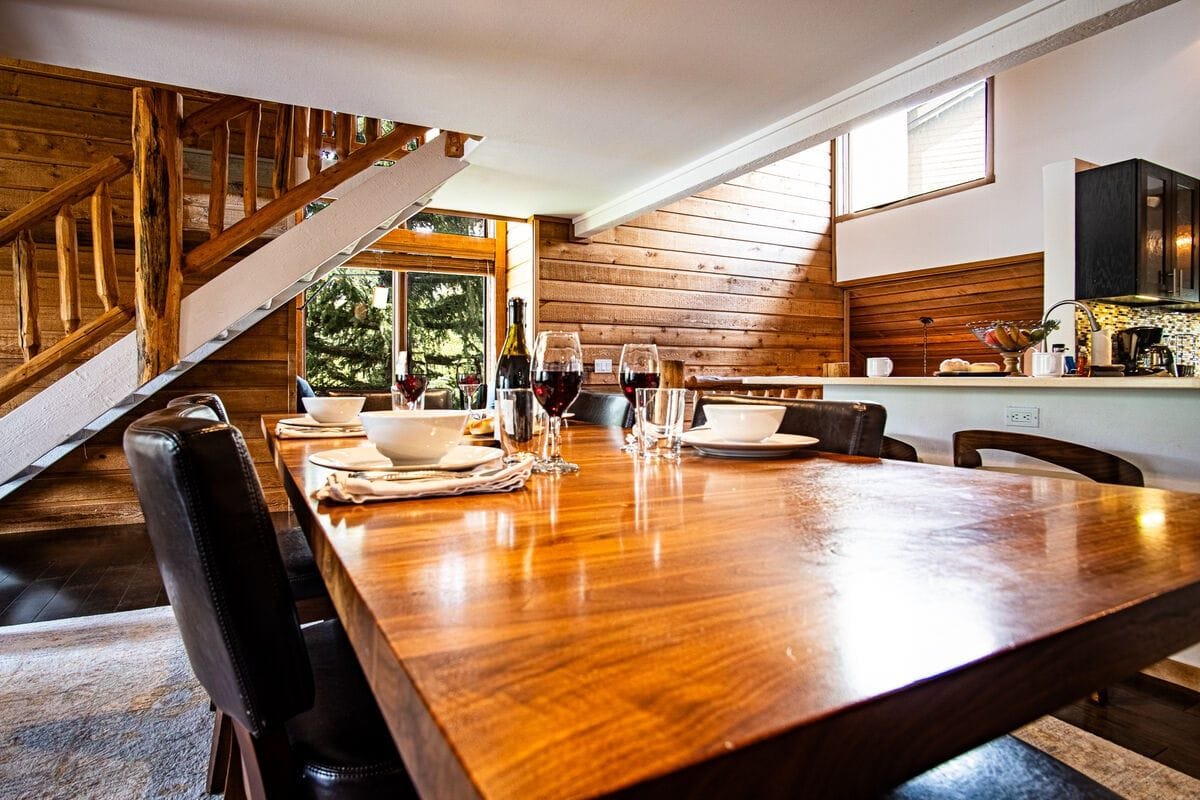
(308, 589)
(602, 408)
(1097, 465)
(305, 722)
(1003, 769)
(898, 450)
(303, 390)
(852, 428)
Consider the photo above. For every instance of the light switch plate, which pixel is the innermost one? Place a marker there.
(603, 365)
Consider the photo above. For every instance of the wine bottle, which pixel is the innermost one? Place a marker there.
(512, 369)
(512, 372)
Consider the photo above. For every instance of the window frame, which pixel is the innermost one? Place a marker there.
(841, 163)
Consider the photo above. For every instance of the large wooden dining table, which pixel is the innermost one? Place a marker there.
(815, 626)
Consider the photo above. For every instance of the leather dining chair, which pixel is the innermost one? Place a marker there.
(1095, 464)
(304, 719)
(849, 427)
(602, 408)
(308, 588)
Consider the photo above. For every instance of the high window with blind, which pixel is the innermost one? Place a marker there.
(940, 146)
(420, 291)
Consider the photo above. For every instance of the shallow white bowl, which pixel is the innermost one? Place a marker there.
(333, 409)
(737, 423)
(414, 437)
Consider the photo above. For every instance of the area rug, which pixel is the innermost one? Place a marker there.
(101, 707)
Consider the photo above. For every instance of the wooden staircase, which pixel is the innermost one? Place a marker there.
(167, 326)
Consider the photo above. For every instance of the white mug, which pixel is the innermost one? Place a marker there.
(879, 367)
(1046, 365)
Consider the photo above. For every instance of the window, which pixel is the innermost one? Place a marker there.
(432, 222)
(941, 145)
(355, 327)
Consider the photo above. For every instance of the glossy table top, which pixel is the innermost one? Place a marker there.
(726, 627)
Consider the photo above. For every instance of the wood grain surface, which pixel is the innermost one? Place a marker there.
(820, 626)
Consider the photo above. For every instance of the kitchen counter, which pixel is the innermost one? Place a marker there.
(996, 382)
(1154, 422)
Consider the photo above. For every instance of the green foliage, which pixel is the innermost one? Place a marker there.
(348, 340)
(447, 223)
(445, 324)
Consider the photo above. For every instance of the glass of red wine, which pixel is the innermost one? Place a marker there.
(638, 370)
(468, 383)
(410, 389)
(556, 373)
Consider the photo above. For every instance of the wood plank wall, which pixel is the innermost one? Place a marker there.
(884, 313)
(519, 282)
(54, 123)
(735, 280)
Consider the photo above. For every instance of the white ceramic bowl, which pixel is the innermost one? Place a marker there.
(414, 437)
(333, 409)
(738, 423)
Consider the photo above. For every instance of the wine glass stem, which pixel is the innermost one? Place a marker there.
(553, 439)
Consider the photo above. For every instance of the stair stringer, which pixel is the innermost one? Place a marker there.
(65, 414)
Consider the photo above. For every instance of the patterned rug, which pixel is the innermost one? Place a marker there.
(101, 707)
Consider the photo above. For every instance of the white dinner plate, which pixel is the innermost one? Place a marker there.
(309, 422)
(776, 445)
(463, 456)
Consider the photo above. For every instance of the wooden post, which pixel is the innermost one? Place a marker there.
(455, 144)
(371, 129)
(250, 160)
(283, 151)
(24, 254)
(104, 252)
(157, 226)
(67, 238)
(218, 186)
(343, 142)
(316, 119)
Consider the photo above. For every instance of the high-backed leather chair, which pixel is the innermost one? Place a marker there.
(1095, 464)
(602, 408)
(305, 722)
(853, 428)
(308, 589)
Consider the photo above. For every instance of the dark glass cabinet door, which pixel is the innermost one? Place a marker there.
(1152, 265)
(1181, 239)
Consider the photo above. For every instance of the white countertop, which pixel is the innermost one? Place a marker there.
(988, 382)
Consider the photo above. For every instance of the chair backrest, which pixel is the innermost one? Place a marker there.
(202, 399)
(603, 408)
(303, 390)
(853, 428)
(440, 398)
(1096, 464)
(897, 450)
(216, 548)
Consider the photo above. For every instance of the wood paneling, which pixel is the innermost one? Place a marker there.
(735, 280)
(884, 313)
(55, 123)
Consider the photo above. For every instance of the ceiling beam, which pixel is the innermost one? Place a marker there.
(1025, 33)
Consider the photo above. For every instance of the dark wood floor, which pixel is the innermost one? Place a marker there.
(57, 574)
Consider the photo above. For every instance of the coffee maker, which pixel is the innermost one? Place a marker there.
(1141, 352)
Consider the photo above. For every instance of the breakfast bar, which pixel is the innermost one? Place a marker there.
(819, 625)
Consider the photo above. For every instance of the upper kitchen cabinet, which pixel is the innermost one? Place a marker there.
(1135, 233)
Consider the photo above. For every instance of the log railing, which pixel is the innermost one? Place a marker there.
(305, 140)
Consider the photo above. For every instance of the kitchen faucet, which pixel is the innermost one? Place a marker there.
(1091, 317)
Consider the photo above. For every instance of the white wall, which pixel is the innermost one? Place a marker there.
(1131, 92)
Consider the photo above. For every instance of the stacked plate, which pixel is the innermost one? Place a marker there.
(308, 428)
(777, 445)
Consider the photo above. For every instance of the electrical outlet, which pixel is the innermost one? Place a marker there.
(1022, 416)
(603, 365)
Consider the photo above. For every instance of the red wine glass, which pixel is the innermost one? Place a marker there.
(411, 388)
(638, 370)
(468, 383)
(556, 375)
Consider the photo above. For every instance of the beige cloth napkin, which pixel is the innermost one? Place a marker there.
(303, 432)
(343, 488)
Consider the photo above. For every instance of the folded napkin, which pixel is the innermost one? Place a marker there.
(304, 432)
(343, 487)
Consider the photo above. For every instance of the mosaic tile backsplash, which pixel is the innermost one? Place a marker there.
(1181, 332)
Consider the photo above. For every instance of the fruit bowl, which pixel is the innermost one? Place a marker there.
(1010, 338)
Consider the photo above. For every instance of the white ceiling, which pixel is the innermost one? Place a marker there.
(581, 103)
